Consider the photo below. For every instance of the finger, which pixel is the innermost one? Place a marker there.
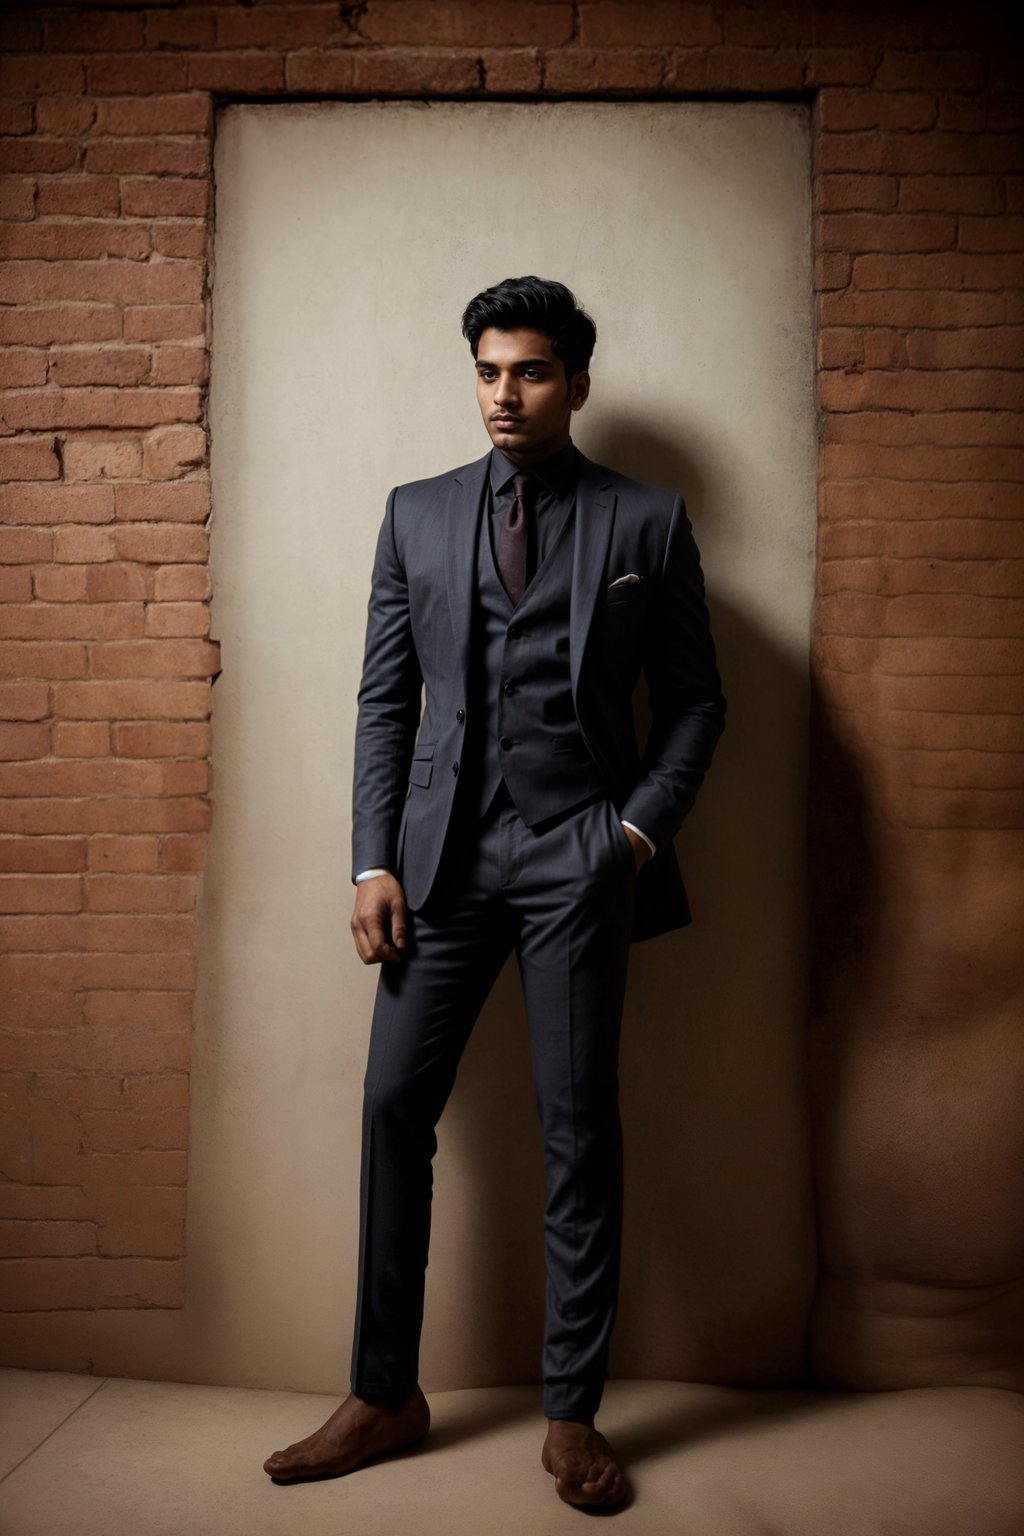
(398, 921)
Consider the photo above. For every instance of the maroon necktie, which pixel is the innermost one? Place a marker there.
(515, 534)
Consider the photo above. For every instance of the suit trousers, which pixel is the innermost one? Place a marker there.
(561, 895)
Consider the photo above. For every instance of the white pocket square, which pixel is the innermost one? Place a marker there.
(623, 581)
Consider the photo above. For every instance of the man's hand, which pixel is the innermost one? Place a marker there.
(641, 850)
(378, 921)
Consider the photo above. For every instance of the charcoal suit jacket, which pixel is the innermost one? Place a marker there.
(418, 632)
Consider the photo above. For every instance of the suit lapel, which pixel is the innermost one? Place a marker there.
(595, 511)
(462, 522)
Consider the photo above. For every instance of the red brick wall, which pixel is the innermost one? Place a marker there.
(105, 686)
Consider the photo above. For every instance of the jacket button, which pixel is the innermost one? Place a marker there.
(507, 688)
(506, 742)
(455, 767)
(460, 715)
(513, 631)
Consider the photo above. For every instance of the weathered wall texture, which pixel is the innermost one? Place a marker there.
(916, 807)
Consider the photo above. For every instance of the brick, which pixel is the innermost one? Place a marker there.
(132, 700)
(99, 407)
(70, 621)
(117, 1131)
(172, 451)
(81, 738)
(396, 72)
(50, 240)
(138, 893)
(52, 855)
(832, 270)
(183, 853)
(236, 70)
(181, 365)
(29, 1202)
(951, 194)
(177, 619)
(46, 1239)
(22, 741)
(183, 501)
(922, 67)
(1004, 233)
(24, 701)
(989, 347)
(885, 232)
(105, 776)
(114, 365)
(24, 157)
(143, 1011)
(182, 583)
(20, 546)
(842, 109)
(24, 368)
(898, 501)
(28, 282)
(614, 24)
(31, 458)
(27, 77)
(174, 658)
(184, 239)
(31, 1285)
(91, 458)
(871, 461)
(925, 390)
(578, 71)
(840, 66)
(74, 544)
(115, 933)
(157, 738)
(17, 197)
(59, 659)
(167, 545)
(511, 70)
(122, 853)
(315, 69)
(287, 27)
(71, 32)
(147, 157)
(95, 1050)
(185, 112)
(931, 310)
(734, 70)
(15, 584)
(136, 74)
(94, 197)
(948, 427)
(56, 503)
(164, 197)
(165, 322)
(59, 583)
(40, 893)
(45, 323)
(460, 23)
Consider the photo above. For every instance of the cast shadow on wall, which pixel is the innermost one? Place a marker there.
(718, 1246)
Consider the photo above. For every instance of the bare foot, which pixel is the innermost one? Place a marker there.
(582, 1463)
(356, 1431)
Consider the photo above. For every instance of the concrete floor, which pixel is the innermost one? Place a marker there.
(85, 1456)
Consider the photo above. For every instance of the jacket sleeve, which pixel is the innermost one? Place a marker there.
(389, 703)
(685, 693)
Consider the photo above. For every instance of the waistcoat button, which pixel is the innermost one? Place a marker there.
(506, 741)
(460, 715)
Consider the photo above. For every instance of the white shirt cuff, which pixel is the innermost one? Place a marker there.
(646, 839)
(367, 874)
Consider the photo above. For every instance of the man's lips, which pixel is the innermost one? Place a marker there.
(506, 421)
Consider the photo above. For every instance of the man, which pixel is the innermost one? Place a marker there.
(526, 590)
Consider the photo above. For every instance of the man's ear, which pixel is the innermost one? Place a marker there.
(579, 389)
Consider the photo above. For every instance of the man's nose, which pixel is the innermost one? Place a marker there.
(506, 391)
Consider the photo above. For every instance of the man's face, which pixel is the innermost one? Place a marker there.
(524, 396)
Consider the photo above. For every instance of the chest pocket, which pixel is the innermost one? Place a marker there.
(422, 764)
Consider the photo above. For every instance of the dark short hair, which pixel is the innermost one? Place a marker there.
(540, 305)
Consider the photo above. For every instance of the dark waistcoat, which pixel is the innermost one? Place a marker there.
(520, 721)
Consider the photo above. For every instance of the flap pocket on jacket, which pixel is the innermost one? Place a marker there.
(422, 763)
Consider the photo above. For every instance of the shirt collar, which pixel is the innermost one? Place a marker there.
(556, 473)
